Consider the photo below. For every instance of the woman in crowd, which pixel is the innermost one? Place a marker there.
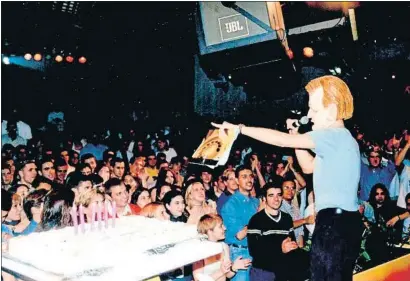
(56, 212)
(175, 206)
(140, 198)
(15, 214)
(218, 267)
(132, 184)
(196, 204)
(155, 210)
(92, 196)
(104, 172)
(165, 176)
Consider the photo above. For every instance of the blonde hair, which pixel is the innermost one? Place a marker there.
(84, 198)
(335, 91)
(226, 173)
(188, 192)
(150, 209)
(16, 198)
(208, 222)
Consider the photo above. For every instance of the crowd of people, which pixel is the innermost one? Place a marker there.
(256, 205)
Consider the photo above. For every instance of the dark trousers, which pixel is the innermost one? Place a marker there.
(335, 245)
(257, 274)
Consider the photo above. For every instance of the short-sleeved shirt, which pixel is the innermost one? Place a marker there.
(336, 169)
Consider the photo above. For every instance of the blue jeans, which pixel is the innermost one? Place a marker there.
(241, 275)
(257, 274)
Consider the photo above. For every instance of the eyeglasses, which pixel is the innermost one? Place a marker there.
(62, 171)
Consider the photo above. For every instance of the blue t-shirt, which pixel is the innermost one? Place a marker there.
(337, 169)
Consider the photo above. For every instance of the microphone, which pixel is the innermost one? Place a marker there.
(302, 121)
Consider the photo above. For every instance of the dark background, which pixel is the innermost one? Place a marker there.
(141, 56)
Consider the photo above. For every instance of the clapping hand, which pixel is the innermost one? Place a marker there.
(288, 245)
(226, 267)
(241, 263)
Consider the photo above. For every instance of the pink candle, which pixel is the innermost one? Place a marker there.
(74, 218)
(82, 221)
(92, 215)
(106, 214)
(114, 213)
(99, 213)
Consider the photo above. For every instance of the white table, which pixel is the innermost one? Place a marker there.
(181, 254)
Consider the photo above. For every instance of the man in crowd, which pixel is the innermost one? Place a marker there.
(6, 176)
(288, 206)
(47, 168)
(116, 189)
(12, 137)
(231, 184)
(118, 168)
(236, 214)
(62, 170)
(338, 228)
(163, 147)
(270, 238)
(151, 166)
(90, 160)
(375, 173)
(27, 172)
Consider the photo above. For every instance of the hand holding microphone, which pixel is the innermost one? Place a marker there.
(293, 124)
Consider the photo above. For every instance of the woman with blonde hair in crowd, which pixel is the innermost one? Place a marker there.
(89, 197)
(196, 205)
(218, 267)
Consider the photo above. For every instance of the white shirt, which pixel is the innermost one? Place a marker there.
(170, 153)
(18, 141)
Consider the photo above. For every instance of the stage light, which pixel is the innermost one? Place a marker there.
(28, 56)
(69, 59)
(393, 76)
(59, 58)
(82, 60)
(37, 57)
(229, 76)
(6, 60)
(308, 52)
